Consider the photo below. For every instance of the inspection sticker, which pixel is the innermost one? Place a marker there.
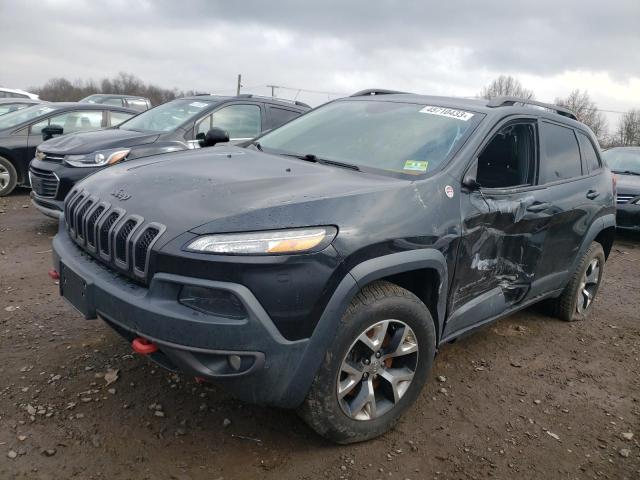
(416, 165)
(447, 112)
(198, 104)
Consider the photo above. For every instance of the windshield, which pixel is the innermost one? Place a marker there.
(167, 116)
(622, 160)
(394, 137)
(15, 118)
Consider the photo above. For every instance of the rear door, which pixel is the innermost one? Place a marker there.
(570, 198)
(503, 229)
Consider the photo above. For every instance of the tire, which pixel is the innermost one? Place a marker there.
(8, 177)
(572, 304)
(393, 320)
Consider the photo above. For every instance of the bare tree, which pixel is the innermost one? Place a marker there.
(506, 85)
(628, 132)
(580, 103)
(61, 89)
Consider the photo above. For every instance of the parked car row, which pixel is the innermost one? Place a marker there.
(182, 124)
(23, 130)
(320, 262)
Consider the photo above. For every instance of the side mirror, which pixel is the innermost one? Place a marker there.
(470, 183)
(51, 131)
(213, 136)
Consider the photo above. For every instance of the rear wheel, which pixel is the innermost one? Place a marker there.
(576, 299)
(8, 177)
(376, 367)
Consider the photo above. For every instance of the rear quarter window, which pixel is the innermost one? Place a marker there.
(589, 155)
(561, 155)
(280, 116)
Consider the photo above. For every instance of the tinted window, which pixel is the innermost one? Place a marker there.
(240, 121)
(118, 117)
(509, 158)
(589, 155)
(71, 122)
(561, 158)
(280, 116)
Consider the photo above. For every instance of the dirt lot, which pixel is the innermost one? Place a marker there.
(529, 397)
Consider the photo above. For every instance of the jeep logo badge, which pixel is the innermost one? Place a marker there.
(121, 195)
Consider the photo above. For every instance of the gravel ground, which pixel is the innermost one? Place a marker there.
(527, 397)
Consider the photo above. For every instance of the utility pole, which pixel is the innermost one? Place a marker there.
(239, 84)
(273, 89)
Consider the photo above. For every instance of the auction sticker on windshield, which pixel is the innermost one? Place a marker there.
(447, 112)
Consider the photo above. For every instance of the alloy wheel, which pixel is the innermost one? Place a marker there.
(5, 177)
(588, 286)
(377, 370)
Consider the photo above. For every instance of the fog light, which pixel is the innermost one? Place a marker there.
(212, 301)
(235, 362)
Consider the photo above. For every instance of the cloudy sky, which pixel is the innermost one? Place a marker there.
(451, 47)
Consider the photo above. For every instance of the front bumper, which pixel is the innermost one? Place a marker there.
(49, 207)
(191, 342)
(628, 216)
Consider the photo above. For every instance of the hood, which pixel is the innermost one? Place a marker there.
(629, 184)
(89, 142)
(231, 189)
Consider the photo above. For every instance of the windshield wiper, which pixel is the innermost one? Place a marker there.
(256, 143)
(626, 172)
(310, 157)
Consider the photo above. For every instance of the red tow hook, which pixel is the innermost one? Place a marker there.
(143, 346)
(54, 274)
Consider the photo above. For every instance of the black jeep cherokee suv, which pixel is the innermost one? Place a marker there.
(320, 267)
(181, 124)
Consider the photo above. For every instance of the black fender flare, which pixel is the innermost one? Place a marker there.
(357, 278)
(600, 224)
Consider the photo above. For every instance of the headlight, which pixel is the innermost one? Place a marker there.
(299, 240)
(97, 159)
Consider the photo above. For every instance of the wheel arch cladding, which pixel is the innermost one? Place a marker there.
(602, 230)
(606, 238)
(429, 262)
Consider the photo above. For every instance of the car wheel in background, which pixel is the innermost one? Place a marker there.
(8, 177)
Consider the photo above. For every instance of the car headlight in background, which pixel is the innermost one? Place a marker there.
(273, 242)
(98, 159)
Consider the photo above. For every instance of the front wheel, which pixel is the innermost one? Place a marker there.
(376, 367)
(575, 301)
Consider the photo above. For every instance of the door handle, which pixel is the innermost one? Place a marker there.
(591, 194)
(538, 207)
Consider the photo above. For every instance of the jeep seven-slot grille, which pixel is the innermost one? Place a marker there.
(105, 246)
(142, 247)
(121, 240)
(91, 226)
(116, 238)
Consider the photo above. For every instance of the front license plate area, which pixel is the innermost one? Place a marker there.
(77, 292)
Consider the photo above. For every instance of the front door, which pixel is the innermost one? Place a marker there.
(503, 228)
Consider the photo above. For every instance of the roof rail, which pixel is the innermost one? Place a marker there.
(285, 100)
(375, 91)
(510, 101)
